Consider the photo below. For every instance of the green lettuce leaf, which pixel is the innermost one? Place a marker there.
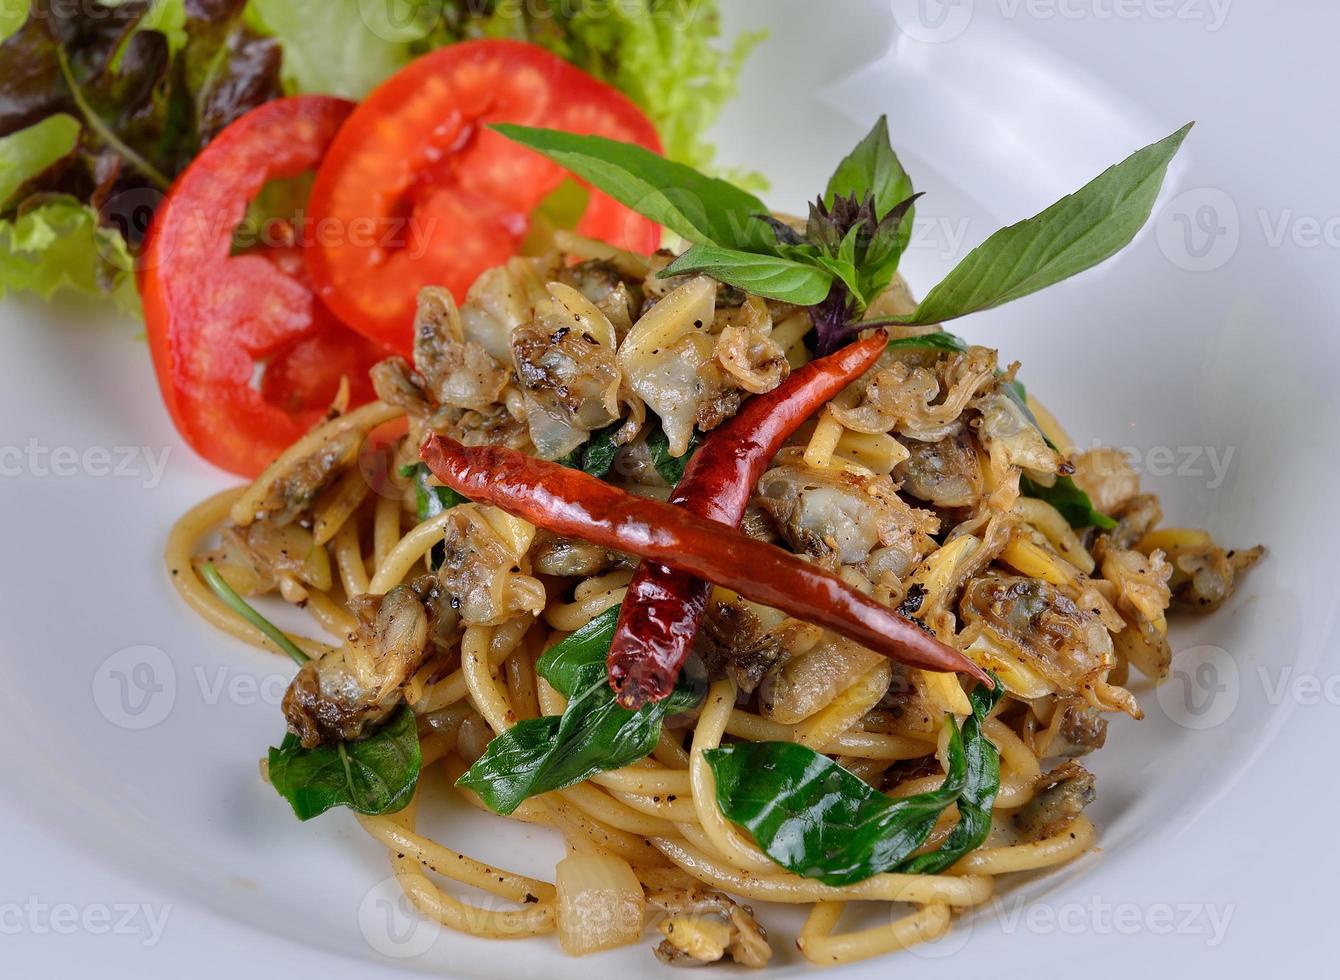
(28, 152)
(339, 47)
(59, 245)
(12, 17)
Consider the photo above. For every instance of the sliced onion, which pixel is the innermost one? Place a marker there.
(600, 903)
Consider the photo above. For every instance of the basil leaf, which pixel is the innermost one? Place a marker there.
(1065, 495)
(820, 821)
(702, 209)
(770, 276)
(594, 734)
(374, 775)
(872, 168)
(1072, 502)
(980, 786)
(886, 248)
(430, 499)
(1074, 234)
(671, 468)
(589, 645)
(596, 455)
(940, 340)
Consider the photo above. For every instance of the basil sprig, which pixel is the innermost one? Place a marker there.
(373, 775)
(594, 734)
(1065, 494)
(859, 228)
(820, 821)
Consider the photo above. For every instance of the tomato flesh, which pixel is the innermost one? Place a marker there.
(417, 190)
(212, 317)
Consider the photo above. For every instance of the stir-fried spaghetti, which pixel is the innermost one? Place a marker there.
(906, 485)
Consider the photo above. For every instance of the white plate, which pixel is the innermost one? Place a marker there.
(1205, 347)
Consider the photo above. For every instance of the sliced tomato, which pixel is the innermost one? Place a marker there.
(418, 191)
(215, 320)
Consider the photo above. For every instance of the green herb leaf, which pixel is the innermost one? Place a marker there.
(26, 153)
(820, 821)
(696, 207)
(12, 17)
(589, 645)
(60, 245)
(886, 248)
(940, 340)
(1072, 502)
(872, 168)
(1074, 234)
(980, 785)
(594, 734)
(774, 277)
(596, 455)
(671, 468)
(374, 775)
(429, 498)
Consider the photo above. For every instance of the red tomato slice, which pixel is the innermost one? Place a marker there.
(213, 317)
(417, 191)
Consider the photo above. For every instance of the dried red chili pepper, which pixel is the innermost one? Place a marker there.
(575, 504)
(663, 606)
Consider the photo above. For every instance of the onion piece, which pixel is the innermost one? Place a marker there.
(600, 903)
